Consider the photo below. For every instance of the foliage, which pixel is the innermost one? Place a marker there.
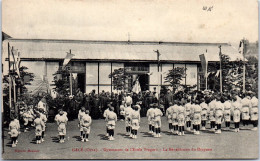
(25, 79)
(118, 78)
(61, 82)
(232, 75)
(175, 76)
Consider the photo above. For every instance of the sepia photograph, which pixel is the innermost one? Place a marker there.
(129, 79)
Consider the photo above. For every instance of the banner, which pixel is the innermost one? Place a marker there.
(67, 59)
(204, 64)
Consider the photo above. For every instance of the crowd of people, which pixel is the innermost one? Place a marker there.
(185, 111)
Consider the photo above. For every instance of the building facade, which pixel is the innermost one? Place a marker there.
(95, 60)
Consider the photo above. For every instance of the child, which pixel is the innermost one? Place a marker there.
(149, 117)
(246, 105)
(38, 124)
(111, 122)
(174, 117)
(26, 116)
(211, 114)
(188, 114)
(122, 111)
(236, 113)
(62, 122)
(43, 117)
(181, 118)
(219, 107)
(135, 120)
(196, 118)
(157, 120)
(169, 116)
(14, 131)
(80, 116)
(85, 123)
(254, 113)
(227, 113)
(128, 111)
(105, 115)
(204, 112)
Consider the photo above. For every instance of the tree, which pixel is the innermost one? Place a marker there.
(175, 76)
(61, 82)
(232, 74)
(118, 79)
(21, 90)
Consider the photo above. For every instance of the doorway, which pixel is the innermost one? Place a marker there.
(144, 82)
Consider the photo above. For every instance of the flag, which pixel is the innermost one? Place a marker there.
(67, 59)
(204, 64)
(241, 47)
(74, 75)
(150, 73)
(217, 74)
(15, 60)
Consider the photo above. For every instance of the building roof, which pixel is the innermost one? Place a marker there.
(118, 50)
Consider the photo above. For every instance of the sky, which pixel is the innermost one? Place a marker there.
(139, 20)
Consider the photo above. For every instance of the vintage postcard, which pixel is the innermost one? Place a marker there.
(130, 79)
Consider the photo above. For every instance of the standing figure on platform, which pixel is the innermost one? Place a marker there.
(85, 123)
(111, 119)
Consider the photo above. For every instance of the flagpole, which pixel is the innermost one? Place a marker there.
(206, 76)
(159, 74)
(10, 79)
(70, 83)
(206, 69)
(70, 79)
(14, 69)
(220, 70)
(244, 67)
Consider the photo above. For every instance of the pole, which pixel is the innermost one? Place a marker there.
(206, 76)
(159, 75)
(244, 67)
(10, 80)
(220, 70)
(70, 83)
